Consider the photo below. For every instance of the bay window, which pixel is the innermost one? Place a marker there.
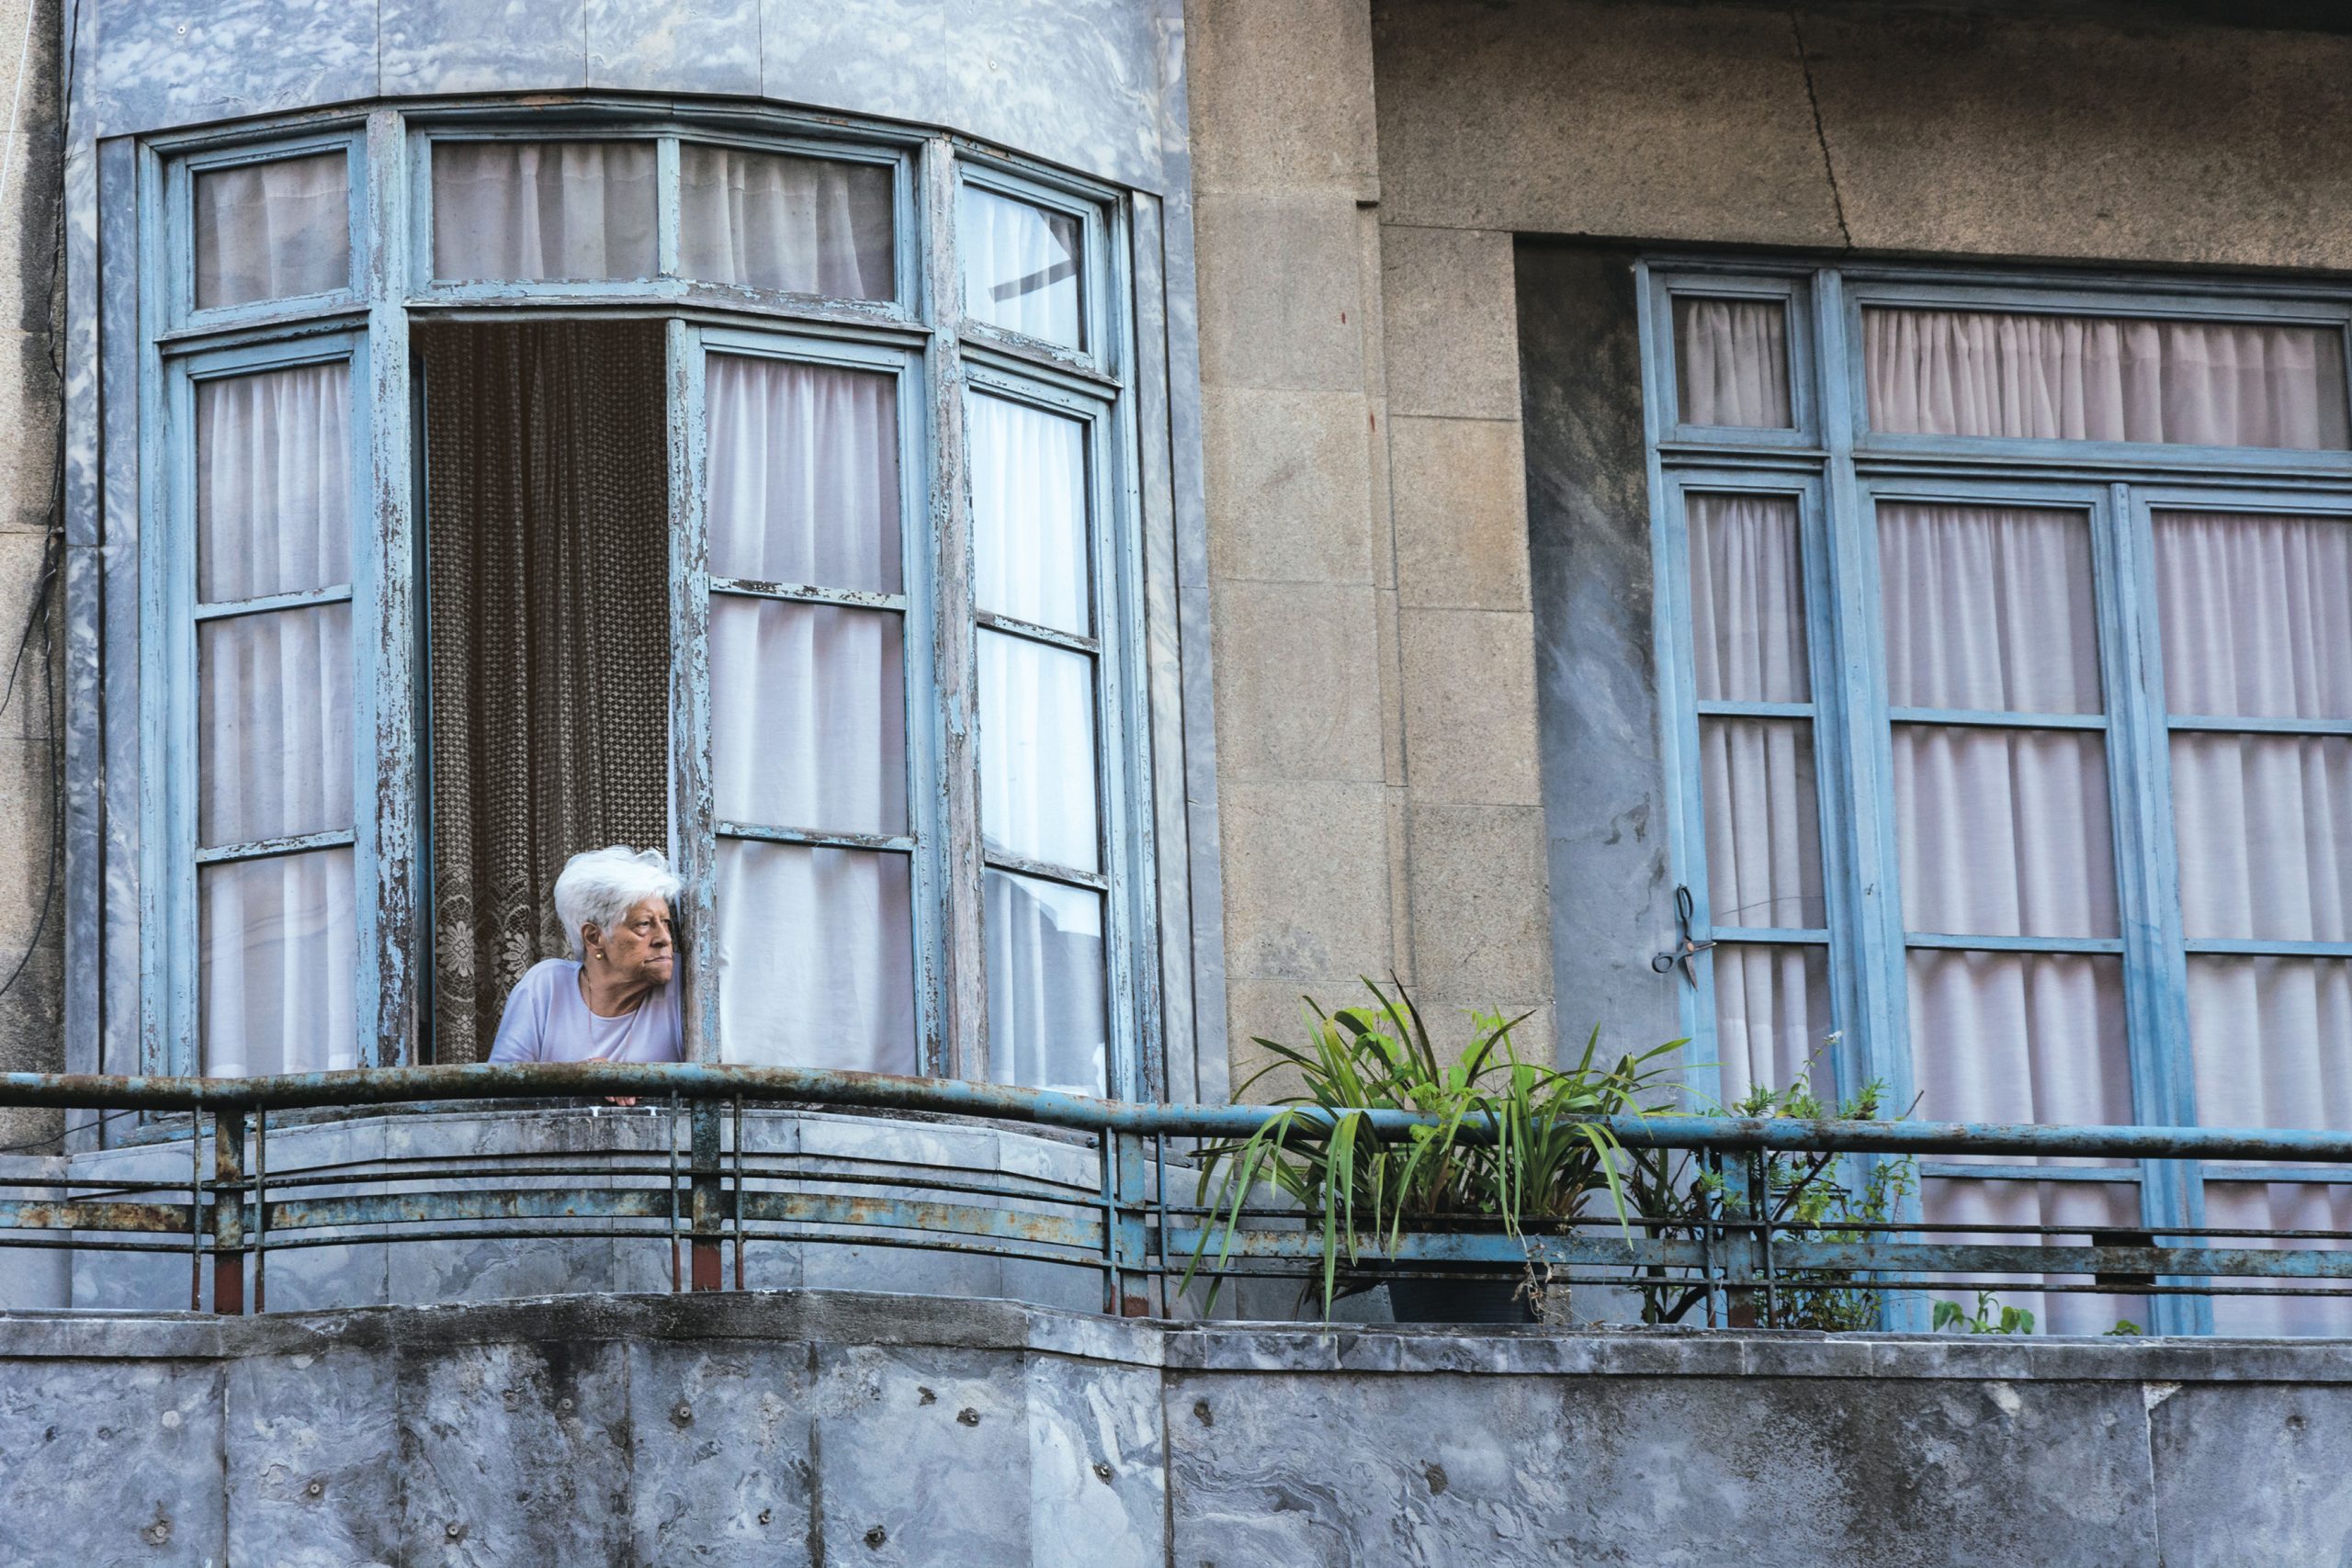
(737, 486)
(2006, 637)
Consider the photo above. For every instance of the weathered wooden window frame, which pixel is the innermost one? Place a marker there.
(1839, 470)
(920, 334)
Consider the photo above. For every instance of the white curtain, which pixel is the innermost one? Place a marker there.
(1731, 361)
(1045, 985)
(2255, 612)
(804, 473)
(1746, 598)
(1772, 1018)
(273, 231)
(816, 961)
(1037, 752)
(1747, 629)
(528, 211)
(2104, 379)
(272, 483)
(803, 225)
(1038, 775)
(1021, 265)
(809, 716)
(1763, 819)
(1029, 555)
(2006, 831)
(278, 943)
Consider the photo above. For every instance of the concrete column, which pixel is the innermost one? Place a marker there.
(1302, 604)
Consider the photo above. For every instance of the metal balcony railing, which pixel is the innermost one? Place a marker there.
(714, 1196)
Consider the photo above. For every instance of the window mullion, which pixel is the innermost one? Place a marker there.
(694, 846)
(1865, 897)
(392, 957)
(2155, 977)
(957, 1041)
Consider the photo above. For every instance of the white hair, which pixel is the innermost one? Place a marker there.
(597, 887)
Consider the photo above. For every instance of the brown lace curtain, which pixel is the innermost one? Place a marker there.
(548, 621)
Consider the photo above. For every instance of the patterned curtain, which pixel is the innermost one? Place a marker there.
(549, 619)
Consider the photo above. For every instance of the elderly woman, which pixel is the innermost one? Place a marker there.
(615, 999)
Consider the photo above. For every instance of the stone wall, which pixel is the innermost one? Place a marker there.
(1365, 169)
(31, 925)
(809, 1427)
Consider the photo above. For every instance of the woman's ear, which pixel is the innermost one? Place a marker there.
(590, 939)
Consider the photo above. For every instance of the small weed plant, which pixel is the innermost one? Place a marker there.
(1990, 1317)
(1809, 1196)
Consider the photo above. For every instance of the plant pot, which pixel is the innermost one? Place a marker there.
(1436, 1299)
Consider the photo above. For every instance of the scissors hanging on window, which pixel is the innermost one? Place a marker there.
(1687, 946)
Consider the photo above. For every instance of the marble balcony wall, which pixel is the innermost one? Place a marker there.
(815, 1426)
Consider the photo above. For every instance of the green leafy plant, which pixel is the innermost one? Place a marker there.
(1991, 1317)
(2124, 1329)
(1511, 1143)
(1811, 1196)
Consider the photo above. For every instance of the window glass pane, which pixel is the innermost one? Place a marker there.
(2267, 1035)
(1037, 752)
(2106, 1211)
(2265, 828)
(1763, 822)
(273, 483)
(1046, 986)
(274, 745)
(2025, 1037)
(278, 954)
(1989, 608)
(2271, 1206)
(815, 958)
(1029, 514)
(526, 212)
(273, 231)
(1746, 598)
(804, 473)
(2004, 832)
(803, 225)
(2019, 1037)
(808, 716)
(1021, 267)
(1731, 361)
(2105, 378)
(2256, 613)
(1772, 1018)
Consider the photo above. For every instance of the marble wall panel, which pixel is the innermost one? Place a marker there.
(1075, 82)
(514, 1453)
(118, 1467)
(721, 1462)
(675, 46)
(483, 46)
(312, 1460)
(922, 1455)
(167, 62)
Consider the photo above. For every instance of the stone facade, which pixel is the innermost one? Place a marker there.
(808, 1426)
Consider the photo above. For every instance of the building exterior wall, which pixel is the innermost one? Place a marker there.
(1365, 576)
(846, 1428)
(31, 372)
(1948, 132)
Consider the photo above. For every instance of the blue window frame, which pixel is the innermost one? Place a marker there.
(1836, 491)
(902, 324)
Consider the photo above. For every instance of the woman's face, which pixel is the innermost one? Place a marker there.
(638, 947)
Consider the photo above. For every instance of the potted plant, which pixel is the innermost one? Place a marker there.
(1512, 1146)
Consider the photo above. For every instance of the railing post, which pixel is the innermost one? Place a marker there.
(1130, 1238)
(707, 1216)
(229, 1213)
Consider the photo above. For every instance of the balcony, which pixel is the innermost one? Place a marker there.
(467, 1183)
